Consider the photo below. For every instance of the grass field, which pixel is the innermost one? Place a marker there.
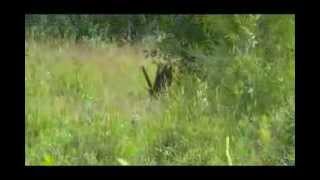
(89, 106)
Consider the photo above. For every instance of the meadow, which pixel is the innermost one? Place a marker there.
(88, 105)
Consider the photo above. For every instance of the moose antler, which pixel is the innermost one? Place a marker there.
(147, 79)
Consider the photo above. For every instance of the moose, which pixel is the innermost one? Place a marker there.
(162, 80)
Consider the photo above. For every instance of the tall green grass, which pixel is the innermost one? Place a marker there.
(88, 105)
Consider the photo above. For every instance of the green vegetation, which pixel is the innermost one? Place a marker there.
(87, 101)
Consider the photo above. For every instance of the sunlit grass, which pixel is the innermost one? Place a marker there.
(89, 106)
